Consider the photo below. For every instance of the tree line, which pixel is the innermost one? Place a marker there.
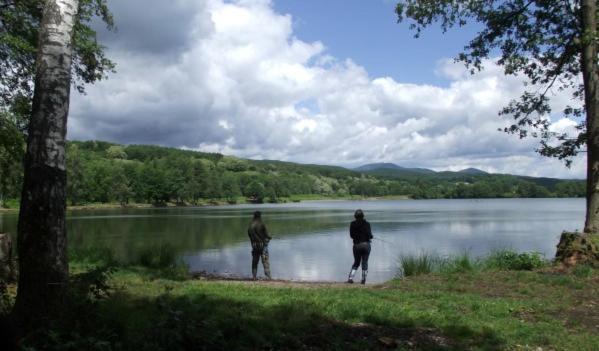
(102, 172)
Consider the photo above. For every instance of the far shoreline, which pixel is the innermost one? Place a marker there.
(244, 201)
(240, 201)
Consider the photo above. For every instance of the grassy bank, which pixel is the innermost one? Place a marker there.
(160, 309)
(498, 260)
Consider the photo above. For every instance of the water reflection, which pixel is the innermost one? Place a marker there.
(311, 238)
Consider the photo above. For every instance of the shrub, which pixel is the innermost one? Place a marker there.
(511, 260)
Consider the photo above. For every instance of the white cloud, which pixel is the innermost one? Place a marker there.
(243, 84)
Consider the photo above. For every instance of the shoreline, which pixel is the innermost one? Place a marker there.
(223, 203)
(292, 199)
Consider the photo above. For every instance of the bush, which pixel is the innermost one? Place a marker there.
(511, 260)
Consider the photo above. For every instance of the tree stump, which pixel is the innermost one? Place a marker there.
(578, 248)
(6, 258)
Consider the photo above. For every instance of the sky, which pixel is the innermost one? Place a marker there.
(335, 82)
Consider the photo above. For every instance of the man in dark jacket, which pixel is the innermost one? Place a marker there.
(259, 238)
(359, 231)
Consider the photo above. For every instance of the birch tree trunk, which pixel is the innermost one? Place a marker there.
(590, 76)
(41, 241)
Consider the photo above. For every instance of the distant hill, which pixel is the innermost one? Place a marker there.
(392, 170)
(472, 171)
(375, 166)
(468, 175)
(385, 167)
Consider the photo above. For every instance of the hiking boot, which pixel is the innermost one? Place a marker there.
(350, 278)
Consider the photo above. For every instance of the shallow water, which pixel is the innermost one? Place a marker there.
(311, 238)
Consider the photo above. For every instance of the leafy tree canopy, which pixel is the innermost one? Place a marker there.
(19, 27)
(540, 39)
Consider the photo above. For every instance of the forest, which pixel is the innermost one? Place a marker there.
(103, 172)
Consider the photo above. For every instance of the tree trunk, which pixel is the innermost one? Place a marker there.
(591, 82)
(41, 241)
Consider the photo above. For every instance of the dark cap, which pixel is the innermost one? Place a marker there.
(257, 214)
(359, 214)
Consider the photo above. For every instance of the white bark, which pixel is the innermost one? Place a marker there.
(42, 238)
(53, 69)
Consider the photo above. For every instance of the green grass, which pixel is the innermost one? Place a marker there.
(481, 311)
(10, 204)
(462, 263)
(466, 305)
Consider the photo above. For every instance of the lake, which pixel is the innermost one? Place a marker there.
(311, 240)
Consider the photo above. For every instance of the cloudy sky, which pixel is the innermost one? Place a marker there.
(330, 82)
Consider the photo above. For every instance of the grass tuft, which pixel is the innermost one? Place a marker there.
(425, 263)
(460, 264)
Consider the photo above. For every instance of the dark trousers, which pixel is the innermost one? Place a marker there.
(361, 254)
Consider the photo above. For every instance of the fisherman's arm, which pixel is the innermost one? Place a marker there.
(266, 236)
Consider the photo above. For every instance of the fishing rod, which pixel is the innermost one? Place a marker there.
(384, 241)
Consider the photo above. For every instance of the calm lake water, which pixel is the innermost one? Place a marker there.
(311, 240)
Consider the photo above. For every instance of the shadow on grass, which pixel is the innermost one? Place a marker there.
(176, 273)
(205, 322)
(201, 320)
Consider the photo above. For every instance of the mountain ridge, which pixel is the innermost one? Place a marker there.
(387, 168)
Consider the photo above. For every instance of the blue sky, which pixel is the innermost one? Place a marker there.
(326, 82)
(367, 32)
